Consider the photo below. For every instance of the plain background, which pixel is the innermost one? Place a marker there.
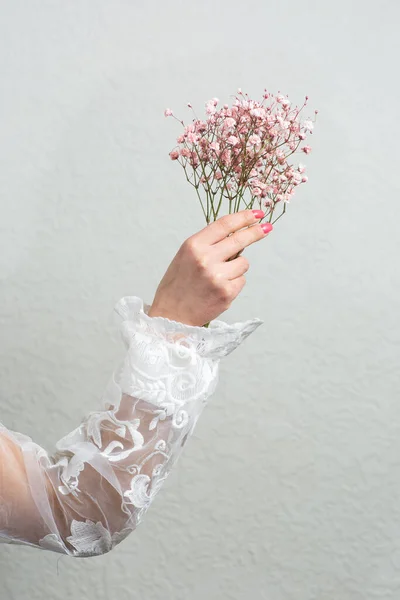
(290, 487)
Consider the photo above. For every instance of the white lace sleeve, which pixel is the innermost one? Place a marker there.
(94, 490)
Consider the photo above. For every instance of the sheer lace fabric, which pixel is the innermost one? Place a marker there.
(96, 487)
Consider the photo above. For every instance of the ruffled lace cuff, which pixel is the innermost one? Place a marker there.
(96, 488)
(215, 341)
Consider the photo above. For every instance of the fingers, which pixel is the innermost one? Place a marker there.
(239, 240)
(225, 225)
(234, 268)
(237, 285)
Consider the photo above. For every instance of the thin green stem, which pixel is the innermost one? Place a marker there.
(281, 215)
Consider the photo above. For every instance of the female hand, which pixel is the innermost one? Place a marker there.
(201, 282)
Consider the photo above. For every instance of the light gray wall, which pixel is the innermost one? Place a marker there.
(289, 489)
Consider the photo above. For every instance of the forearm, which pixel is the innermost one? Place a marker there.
(97, 486)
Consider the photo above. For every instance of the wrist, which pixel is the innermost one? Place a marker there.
(158, 311)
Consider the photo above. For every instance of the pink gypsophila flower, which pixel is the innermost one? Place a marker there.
(241, 152)
(192, 137)
(308, 126)
(283, 100)
(254, 140)
(232, 140)
(215, 146)
(229, 122)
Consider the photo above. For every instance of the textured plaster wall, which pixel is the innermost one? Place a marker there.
(289, 489)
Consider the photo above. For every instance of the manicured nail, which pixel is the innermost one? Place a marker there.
(258, 213)
(266, 227)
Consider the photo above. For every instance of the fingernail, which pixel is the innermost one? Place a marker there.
(266, 227)
(258, 213)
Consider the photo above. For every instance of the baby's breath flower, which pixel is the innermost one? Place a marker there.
(241, 152)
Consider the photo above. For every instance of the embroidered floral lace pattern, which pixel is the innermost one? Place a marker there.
(95, 489)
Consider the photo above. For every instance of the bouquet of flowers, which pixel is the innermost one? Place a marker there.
(241, 154)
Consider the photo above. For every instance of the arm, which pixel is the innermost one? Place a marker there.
(95, 489)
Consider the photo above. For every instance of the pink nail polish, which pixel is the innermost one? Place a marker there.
(258, 213)
(266, 227)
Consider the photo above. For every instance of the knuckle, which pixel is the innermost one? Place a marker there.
(249, 216)
(240, 282)
(236, 242)
(246, 264)
(190, 246)
(254, 234)
(198, 257)
(193, 249)
(216, 280)
(226, 224)
(258, 232)
(235, 221)
(201, 262)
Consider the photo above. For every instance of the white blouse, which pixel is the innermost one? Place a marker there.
(95, 489)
